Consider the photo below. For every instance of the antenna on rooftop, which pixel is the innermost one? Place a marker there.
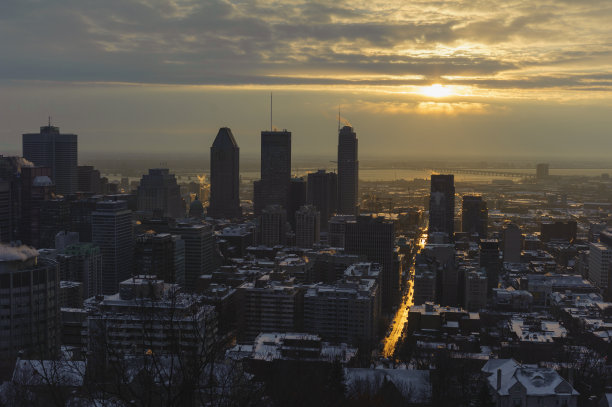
(49, 121)
(271, 128)
(338, 118)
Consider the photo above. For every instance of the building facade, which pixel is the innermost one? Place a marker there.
(442, 205)
(224, 176)
(112, 231)
(348, 171)
(56, 151)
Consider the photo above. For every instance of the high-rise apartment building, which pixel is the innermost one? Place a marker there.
(57, 151)
(600, 263)
(82, 262)
(348, 172)
(270, 306)
(159, 191)
(442, 205)
(474, 216)
(273, 187)
(224, 176)
(155, 254)
(29, 304)
(111, 225)
(323, 194)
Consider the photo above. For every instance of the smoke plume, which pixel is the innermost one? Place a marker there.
(11, 253)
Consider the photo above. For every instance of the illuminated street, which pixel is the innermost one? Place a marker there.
(400, 319)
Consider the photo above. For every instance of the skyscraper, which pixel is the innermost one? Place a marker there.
(57, 151)
(159, 191)
(442, 205)
(512, 243)
(224, 176)
(322, 194)
(273, 222)
(307, 229)
(112, 231)
(199, 248)
(474, 216)
(297, 198)
(36, 187)
(490, 261)
(273, 187)
(348, 172)
(374, 237)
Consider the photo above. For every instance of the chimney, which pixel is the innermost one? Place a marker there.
(499, 374)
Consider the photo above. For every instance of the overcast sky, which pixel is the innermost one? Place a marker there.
(415, 78)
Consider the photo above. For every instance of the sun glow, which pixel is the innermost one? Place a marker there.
(436, 91)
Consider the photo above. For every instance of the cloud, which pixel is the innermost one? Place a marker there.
(423, 107)
(301, 42)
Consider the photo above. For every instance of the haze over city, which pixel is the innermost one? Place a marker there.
(305, 203)
(420, 79)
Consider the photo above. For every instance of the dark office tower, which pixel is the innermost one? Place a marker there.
(297, 198)
(474, 216)
(490, 261)
(29, 291)
(36, 187)
(348, 172)
(154, 254)
(199, 248)
(89, 179)
(158, 191)
(273, 223)
(323, 195)
(224, 176)
(273, 188)
(80, 217)
(512, 243)
(112, 232)
(442, 205)
(374, 237)
(50, 148)
(307, 232)
(54, 218)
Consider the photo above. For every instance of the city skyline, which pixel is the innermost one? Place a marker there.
(500, 79)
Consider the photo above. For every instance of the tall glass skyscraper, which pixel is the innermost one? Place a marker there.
(348, 172)
(442, 205)
(224, 176)
(273, 187)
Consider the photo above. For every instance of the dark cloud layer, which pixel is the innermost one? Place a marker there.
(500, 43)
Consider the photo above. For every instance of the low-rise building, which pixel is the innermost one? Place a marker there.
(516, 385)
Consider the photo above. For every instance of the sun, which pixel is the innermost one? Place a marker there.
(436, 91)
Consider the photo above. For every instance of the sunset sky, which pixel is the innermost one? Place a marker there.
(415, 78)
